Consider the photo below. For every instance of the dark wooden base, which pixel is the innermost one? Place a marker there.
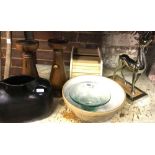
(127, 88)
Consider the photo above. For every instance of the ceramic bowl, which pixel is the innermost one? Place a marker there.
(96, 104)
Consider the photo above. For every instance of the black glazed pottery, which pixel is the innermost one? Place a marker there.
(24, 98)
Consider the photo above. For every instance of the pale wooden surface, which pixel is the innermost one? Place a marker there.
(142, 110)
(85, 61)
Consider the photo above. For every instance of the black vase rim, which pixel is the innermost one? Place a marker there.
(18, 80)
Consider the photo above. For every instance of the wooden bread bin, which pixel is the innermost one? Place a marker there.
(86, 62)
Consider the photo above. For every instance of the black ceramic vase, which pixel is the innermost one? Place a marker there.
(24, 98)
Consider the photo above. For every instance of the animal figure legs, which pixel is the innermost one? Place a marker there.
(135, 77)
(120, 67)
(116, 70)
(123, 75)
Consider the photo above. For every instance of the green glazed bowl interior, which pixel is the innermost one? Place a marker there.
(89, 94)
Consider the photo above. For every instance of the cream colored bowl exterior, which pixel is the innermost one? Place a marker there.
(90, 116)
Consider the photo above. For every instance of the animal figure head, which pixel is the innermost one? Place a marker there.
(145, 38)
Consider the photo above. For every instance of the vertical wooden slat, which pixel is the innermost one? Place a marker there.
(8, 55)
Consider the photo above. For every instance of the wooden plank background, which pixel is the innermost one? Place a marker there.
(114, 42)
(44, 53)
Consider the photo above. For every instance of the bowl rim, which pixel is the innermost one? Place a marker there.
(99, 113)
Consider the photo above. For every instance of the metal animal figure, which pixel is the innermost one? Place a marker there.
(137, 67)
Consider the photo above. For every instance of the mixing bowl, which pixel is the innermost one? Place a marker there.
(93, 98)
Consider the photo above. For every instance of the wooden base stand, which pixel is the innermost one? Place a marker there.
(58, 73)
(28, 48)
(127, 88)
